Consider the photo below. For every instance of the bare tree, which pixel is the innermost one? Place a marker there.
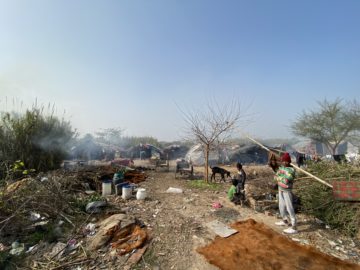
(212, 125)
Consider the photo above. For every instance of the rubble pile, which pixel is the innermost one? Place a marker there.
(37, 213)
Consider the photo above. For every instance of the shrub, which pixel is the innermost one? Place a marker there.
(38, 140)
(318, 200)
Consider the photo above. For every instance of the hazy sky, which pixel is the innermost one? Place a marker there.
(127, 63)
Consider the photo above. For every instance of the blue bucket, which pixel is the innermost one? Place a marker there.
(118, 187)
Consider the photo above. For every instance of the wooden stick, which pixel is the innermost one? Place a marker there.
(313, 176)
(332, 178)
(296, 167)
(80, 261)
(67, 219)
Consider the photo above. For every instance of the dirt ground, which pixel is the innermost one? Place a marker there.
(256, 246)
(177, 225)
(177, 222)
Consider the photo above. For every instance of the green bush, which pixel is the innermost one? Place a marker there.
(81, 202)
(38, 140)
(318, 200)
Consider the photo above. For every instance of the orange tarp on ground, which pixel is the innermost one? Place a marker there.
(256, 247)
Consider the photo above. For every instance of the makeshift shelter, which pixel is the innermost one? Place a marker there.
(310, 147)
(175, 151)
(249, 153)
(144, 151)
(196, 156)
(245, 154)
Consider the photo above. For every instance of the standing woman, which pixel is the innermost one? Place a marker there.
(284, 177)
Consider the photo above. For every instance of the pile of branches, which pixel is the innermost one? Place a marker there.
(318, 199)
(48, 197)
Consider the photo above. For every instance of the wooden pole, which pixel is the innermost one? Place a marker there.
(313, 176)
(296, 167)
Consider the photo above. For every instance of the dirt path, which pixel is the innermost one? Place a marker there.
(178, 223)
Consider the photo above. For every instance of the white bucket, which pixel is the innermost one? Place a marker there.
(126, 192)
(141, 194)
(106, 188)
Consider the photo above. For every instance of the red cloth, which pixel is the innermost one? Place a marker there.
(217, 205)
(286, 157)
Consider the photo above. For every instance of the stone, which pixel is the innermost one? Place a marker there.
(220, 228)
(332, 243)
(95, 207)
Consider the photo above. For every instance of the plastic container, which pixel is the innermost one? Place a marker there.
(141, 194)
(126, 192)
(118, 188)
(106, 187)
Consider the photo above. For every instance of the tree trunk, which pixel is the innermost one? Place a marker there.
(333, 148)
(207, 163)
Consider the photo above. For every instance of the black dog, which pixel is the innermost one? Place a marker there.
(220, 171)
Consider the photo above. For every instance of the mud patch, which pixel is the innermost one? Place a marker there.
(227, 214)
(256, 246)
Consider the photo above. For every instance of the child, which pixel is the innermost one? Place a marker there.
(241, 176)
(234, 192)
(284, 177)
(238, 186)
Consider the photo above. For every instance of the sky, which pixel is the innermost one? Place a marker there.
(137, 64)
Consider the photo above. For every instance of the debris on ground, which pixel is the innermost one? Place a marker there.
(220, 228)
(174, 190)
(216, 205)
(127, 238)
(101, 238)
(17, 248)
(160, 232)
(95, 207)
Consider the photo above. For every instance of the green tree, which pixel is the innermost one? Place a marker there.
(134, 141)
(331, 124)
(110, 136)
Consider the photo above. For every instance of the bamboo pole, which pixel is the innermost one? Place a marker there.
(313, 176)
(296, 167)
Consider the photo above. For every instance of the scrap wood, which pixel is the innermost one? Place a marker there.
(101, 238)
(135, 176)
(79, 261)
(128, 238)
(17, 185)
(136, 257)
